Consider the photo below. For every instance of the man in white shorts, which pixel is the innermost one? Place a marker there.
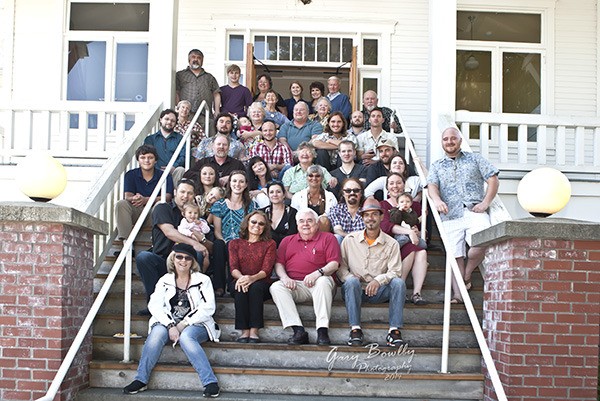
(456, 184)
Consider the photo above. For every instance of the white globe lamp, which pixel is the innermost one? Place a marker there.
(41, 177)
(544, 191)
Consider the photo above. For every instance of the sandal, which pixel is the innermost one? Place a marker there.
(417, 299)
(457, 301)
(468, 284)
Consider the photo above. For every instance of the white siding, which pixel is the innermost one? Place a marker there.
(576, 54)
(407, 86)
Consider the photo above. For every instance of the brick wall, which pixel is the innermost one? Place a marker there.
(541, 318)
(46, 289)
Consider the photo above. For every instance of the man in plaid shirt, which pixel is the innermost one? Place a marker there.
(273, 152)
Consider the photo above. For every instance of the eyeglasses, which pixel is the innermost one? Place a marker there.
(260, 223)
(183, 257)
(314, 176)
(351, 190)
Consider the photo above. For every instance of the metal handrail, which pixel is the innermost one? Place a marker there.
(125, 254)
(453, 269)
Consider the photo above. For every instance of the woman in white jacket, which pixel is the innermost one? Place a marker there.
(182, 306)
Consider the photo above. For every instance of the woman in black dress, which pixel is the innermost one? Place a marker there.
(281, 216)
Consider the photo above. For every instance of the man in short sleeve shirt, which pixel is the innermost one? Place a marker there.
(456, 184)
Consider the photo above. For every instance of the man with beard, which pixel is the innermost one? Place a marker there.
(344, 216)
(370, 101)
(195, 84)
(369, 141)
(221, 161)
(347, 153)
(456, 185)
(387, 149)
(223, 125)
(371, 271)
(357, 123)
(305, 264)
(166, 140)
(273, 152)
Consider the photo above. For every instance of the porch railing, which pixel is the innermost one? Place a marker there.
(526, 141)
(75, 131)
(497, 213)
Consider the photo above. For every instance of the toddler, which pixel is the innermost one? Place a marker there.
(244, 124)
(406, 217)
(191, 222)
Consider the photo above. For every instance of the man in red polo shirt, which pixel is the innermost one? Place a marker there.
(305, 263)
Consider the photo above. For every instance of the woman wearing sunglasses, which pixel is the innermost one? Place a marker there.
(251, 261)
(315, 197)
(182, 306)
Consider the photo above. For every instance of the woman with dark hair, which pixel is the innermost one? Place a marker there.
(412, 184)
(328, 142)
(317, 91)
(228, 214)
(182, 306)
(281, 216)
(251, 261)
(265, 84)
(296, 90)
(413, 256)
(258, 175)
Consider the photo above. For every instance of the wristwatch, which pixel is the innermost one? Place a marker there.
(321, 271)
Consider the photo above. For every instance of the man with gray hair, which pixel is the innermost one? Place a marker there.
(305, 264)
(390, 119)
(339, 101)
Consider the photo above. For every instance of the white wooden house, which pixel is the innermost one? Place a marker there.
(527, 71)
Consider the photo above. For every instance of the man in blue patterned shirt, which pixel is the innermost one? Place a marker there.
(456, 184)
(344, 216)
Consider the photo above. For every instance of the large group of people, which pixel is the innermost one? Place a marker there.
(285, 200)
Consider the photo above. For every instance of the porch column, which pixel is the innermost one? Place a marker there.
(46, 290)
(541, 307)
(442, 70)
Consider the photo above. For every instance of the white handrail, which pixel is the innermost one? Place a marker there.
(452, 268)
(125, 253)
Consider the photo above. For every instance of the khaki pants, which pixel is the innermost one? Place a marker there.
(321, 294)
(126, 215)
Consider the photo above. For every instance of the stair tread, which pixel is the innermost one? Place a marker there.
(102, 364)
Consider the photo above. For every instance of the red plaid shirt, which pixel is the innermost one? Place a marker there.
(279, 155)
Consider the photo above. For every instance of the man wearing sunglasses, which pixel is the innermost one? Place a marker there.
(344, 216)
(152, 264)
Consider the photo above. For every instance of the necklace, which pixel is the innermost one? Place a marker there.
(344, 172)
(183, 292)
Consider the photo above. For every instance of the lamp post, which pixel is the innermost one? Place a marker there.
(41, 177)
(544, 191)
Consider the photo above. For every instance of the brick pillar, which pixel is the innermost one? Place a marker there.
(46, 290)
(541, 308)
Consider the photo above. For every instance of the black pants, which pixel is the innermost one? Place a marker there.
(218, 266)
(249, 306)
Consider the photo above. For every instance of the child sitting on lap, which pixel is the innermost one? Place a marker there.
(406, 217)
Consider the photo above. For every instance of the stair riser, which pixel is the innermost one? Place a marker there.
(276, 334)
(319, 386)
(338, 358)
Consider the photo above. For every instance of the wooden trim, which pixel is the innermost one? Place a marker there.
(250, 77)
(353, 83)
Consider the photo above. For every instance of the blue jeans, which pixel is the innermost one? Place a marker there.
(152, 267)
(190, 339)
(394, 292)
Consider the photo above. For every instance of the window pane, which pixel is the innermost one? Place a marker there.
(346, 49)
(500, 27)
(260, 47)
(85, 78)
(271, 47)
(370, 51)
(521, 83)
(109, 17)
(322, 49)
(132, 72)
(236, 47)
(334, 49)
(297, 49)
(369, 84)
(284, 48)
(309, 49)
(473, 81)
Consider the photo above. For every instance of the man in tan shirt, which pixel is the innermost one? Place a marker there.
(371, 271)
